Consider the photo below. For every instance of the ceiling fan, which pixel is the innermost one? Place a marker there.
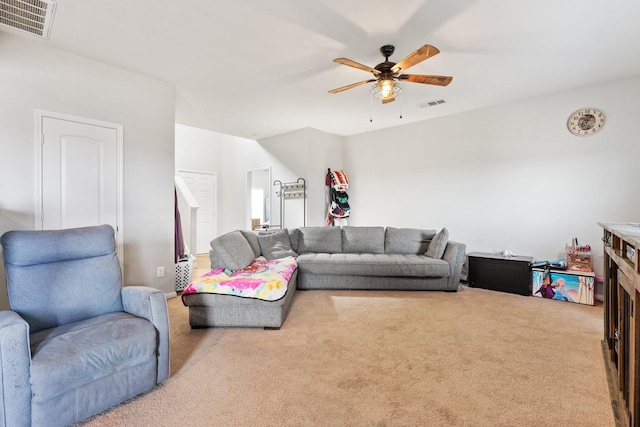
(387, 74)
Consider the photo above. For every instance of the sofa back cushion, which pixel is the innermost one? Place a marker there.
(252, 238)
(438, 244)
(276, 245)
(407, 240)
(231, 251)
(294, 237)
(320, 240)
(363, 240)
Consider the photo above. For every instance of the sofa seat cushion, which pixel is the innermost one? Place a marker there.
(392, 265)
(69, 356)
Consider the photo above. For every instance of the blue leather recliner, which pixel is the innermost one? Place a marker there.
(75, 341)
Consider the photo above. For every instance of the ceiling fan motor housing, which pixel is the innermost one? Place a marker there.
(387, 50)
(385, 67)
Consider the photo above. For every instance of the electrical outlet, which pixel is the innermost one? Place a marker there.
(160, 272)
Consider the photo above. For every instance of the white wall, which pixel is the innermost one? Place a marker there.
(308, 153)
(507, 177)
(230, 158)
(35, 76)
(301, 154)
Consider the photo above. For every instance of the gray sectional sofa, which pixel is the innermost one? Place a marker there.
(329, 258)
(377, 258)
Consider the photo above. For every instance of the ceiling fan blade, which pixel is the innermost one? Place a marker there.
(354, 64)
(428, 80)
(415, 57)
(351, 86)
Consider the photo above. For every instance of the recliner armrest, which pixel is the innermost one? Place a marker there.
(151, 304)
(15, 358)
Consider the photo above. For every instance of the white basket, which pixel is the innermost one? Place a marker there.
(183, 272)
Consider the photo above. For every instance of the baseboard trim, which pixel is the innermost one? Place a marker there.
(170, 295)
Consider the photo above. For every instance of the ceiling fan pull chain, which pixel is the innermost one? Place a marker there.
(371, 108)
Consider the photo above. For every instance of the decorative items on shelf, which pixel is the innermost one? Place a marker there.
(630, 253)
(339, 210)
(579, 257)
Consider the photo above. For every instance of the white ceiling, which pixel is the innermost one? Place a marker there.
(258, 68)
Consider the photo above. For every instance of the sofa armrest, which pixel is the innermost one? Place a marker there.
(151, 304)
(15, 371)
(454, 254)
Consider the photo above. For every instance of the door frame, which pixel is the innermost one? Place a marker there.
(39, 116)
(247, 196)
(215, 200)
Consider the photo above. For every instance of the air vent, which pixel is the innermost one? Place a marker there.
(30, 16)
(431, 103)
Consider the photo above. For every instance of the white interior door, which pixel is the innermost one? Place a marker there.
(79, 178)
(203, 187)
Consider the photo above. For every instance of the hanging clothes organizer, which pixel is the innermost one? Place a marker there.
(339, 210)
(291, 190)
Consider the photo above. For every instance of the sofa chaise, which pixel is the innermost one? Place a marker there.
(327, 258)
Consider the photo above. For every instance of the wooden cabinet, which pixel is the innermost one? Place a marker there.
(500, 273)
(621, 323)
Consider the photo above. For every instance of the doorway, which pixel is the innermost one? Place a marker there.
(79, 174)
(259, 199)
(203, 187)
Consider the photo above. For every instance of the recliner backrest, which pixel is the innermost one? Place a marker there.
(56, 277)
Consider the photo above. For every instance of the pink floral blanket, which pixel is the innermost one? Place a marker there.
(262, 279)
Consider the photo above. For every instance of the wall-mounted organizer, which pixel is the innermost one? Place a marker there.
(288, 191)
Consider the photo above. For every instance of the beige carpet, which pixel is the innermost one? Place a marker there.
(369, 358)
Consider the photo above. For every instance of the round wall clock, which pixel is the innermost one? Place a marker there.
(586, 121)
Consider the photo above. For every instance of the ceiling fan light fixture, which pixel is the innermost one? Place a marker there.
(385, 89)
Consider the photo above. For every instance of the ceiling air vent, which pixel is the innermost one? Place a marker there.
(431, 103)
(30, 16)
